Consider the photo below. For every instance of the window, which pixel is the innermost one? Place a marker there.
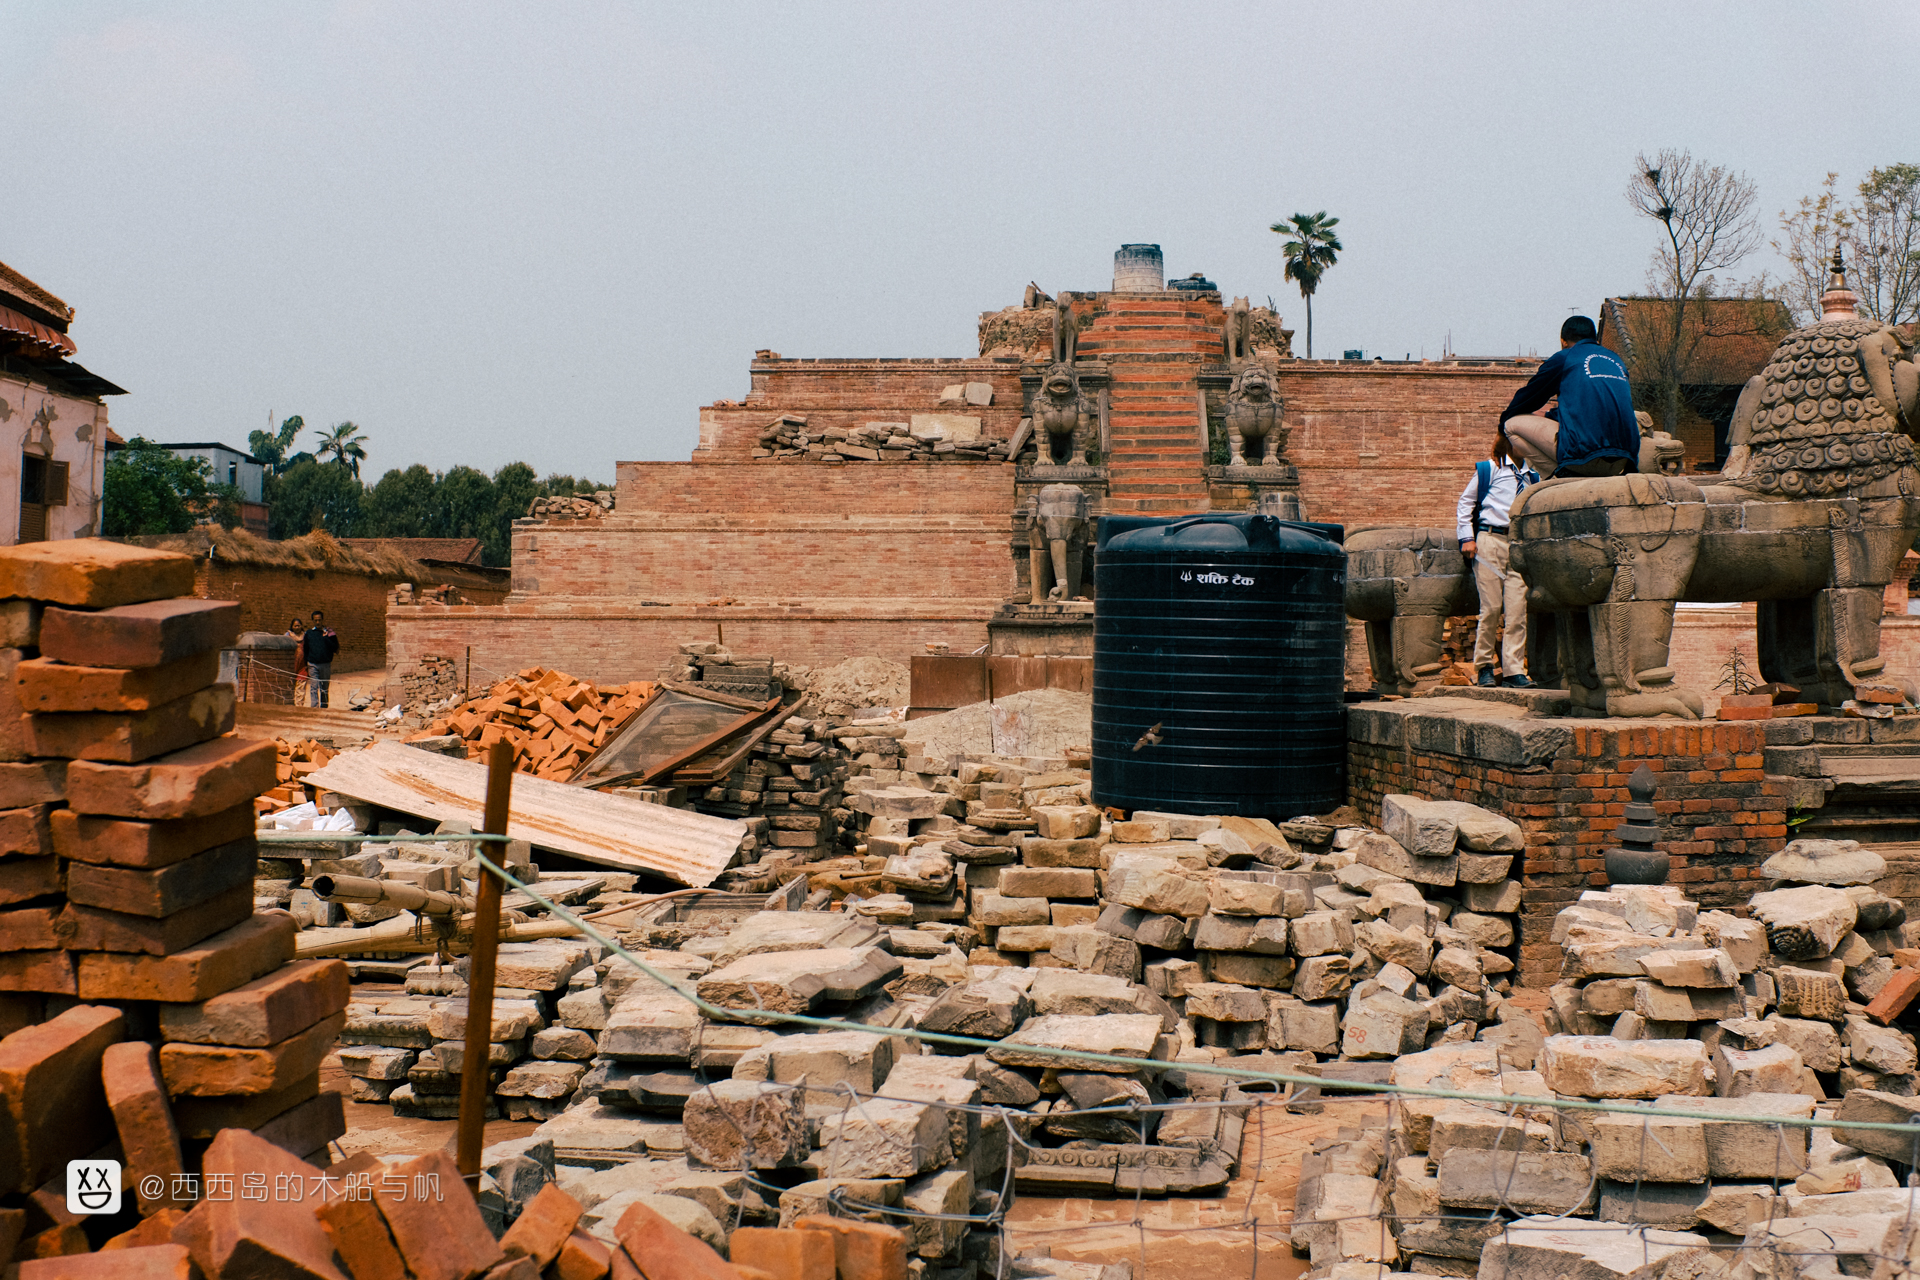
(43, 484)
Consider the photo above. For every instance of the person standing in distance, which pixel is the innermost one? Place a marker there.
(319, 644)
(1593, 431)
(1481, 520)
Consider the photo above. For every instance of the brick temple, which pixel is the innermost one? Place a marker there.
(831, 548)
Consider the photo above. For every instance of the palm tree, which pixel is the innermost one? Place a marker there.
(1312, 250)
(271, 446)
(345, 445)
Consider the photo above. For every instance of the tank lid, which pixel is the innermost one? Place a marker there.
(1221, 531)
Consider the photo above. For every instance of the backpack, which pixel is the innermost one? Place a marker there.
(1484, 470)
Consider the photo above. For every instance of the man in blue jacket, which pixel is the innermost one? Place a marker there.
(1593, 432)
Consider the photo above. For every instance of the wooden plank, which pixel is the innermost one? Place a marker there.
(1015, 673)
(609, 831)
(1075, 674)
(946, 681)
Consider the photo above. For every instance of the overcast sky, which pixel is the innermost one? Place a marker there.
(550, 232)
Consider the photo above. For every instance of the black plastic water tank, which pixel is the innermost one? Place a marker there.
(1228, 632)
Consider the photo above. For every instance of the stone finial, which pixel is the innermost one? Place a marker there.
(1635, 860)
(1839, 302)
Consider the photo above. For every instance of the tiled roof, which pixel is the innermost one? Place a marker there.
(451, 550)
(22, 290)
(1735, 336)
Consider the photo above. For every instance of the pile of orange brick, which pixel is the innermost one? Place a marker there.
(554, 722)
(144, 1006)
(293, 762)
(367, 1219)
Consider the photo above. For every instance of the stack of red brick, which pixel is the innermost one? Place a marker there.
(268, 1214)
(149, 1007)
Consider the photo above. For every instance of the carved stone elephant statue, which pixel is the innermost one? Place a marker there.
(1057, 527)
(1404, 584)
(1814, 509)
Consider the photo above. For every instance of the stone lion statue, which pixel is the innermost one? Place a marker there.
(1660, 453)
(1813, 511)
(1253, 417)
(1060, 413)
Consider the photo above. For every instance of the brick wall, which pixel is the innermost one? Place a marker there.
(270, 596)
(616, 642)
(1406, 433)
(1564, 782)
(687, 533)
(1703, 638)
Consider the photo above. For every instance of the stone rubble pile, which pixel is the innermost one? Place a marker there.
(716, 668)
(575, 507)
(429, 680)
(925, 438)
(406, 1048)
(1789, 1014)
(995, 903)
(144, 1004)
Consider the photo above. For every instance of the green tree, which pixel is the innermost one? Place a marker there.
(271, 446)
(462, 502)
(346, 445)
(401, 505)
(315, 495)
(465, 504)
(1878, 236)
(150, 489)
(1886, 244)
(514, 489)
(1313, 249)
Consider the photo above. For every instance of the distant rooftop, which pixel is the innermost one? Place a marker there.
(209, 444)
(21, 292)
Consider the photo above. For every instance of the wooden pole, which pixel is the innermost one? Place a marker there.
(486, 949)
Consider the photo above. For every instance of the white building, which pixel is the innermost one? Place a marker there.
(227, 465)
(53, 420)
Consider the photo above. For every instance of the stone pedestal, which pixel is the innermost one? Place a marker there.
(1026, 630)
(1275, 490)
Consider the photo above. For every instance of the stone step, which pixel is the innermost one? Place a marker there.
(1139, 346)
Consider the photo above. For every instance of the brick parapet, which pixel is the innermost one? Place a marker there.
(1721, 815)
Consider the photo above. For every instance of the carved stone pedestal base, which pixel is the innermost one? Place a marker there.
(1061, 630)
(1058, 473)
(1273, 490)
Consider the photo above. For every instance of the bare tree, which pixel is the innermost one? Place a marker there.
(1708, 214)
(1811, 232)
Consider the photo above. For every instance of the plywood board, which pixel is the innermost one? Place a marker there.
(609, 831)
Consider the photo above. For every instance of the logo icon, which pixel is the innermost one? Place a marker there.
(93, 1186)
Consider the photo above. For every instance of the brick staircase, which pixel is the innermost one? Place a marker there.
(1154, 345)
